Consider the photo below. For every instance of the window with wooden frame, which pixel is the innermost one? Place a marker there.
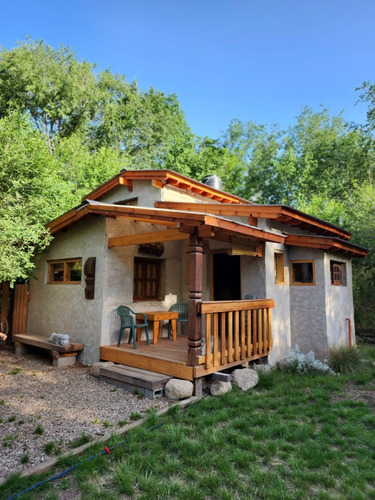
(338, 273)
(147, 280)
(302, 272)
(65, 271)
(279, 268)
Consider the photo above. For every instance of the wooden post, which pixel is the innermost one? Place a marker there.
(195, 298)
(4, 288)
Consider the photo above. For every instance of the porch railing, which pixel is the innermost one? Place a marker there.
(237, 330)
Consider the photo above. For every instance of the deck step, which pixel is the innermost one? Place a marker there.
(148, 383)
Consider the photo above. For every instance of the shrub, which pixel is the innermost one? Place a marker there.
(38, 430)
(80, 441)
(344, 359)
(297, 362)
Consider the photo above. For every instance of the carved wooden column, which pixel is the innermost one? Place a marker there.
(195, 298)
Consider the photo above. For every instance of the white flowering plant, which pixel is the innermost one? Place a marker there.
(297, 362)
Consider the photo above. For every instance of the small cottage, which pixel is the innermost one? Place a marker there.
(257, 279)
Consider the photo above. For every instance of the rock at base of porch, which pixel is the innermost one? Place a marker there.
(218, 387)
(178, 389)
(262, 368)
(245, 378)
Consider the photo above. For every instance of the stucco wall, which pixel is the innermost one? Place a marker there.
(308, 306)
(146, 193)
(339, 304)
(280, 293)
(63, 308)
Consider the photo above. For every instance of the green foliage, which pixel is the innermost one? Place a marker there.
(39, 430)
(25, 458)
(59, 92)
(344, 359)
(80, 441)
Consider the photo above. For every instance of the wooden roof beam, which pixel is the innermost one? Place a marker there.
(149, 237)
(126, 182)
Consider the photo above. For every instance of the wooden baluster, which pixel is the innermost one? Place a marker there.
(248, 327)
(236, 335)
(230, 336)
(270, 341)
(216, 340)
(265, 331)
(208, 341)
(255, 333)
(260, 331)
(223, 333)
(195, 299)
(243, 331)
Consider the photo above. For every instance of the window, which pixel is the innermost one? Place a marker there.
(303, 272)
(146, 279)
(279, 268)
(66, 271)
(338, 273)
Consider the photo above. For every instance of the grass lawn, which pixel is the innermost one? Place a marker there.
(294, 437)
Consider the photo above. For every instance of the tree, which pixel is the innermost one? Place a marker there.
(30, 195)
(59, 93)
(255, 150)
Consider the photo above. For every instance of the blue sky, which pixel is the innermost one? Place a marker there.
(256, 60)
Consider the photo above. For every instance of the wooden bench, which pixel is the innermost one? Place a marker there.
(62, 355)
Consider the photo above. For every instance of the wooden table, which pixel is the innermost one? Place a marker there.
(156, 317)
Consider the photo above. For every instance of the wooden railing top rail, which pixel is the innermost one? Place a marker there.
(234, 305)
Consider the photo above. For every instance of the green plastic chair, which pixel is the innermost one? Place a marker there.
(127, 317)
(182, 309)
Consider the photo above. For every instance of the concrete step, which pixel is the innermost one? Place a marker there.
(148, 383)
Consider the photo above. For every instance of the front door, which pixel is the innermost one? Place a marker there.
(226, 277)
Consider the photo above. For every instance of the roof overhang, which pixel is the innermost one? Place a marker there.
(333, 245)
(205, 225)
(279, 213)
(161, 178)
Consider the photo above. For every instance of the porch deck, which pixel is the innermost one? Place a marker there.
(233, 335)
(167, 356)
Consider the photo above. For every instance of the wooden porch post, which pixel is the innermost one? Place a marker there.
(195, 298)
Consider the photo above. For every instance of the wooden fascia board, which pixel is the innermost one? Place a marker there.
(152, 219)
(149, 237)
(278, 212)
(324, 243)
(212, 208)
(67, 219)
(240, 229)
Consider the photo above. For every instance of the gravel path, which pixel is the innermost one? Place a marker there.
(40, 404)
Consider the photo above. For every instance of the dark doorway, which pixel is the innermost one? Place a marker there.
(226, 277)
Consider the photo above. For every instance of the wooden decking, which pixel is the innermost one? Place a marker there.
(167, 356)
